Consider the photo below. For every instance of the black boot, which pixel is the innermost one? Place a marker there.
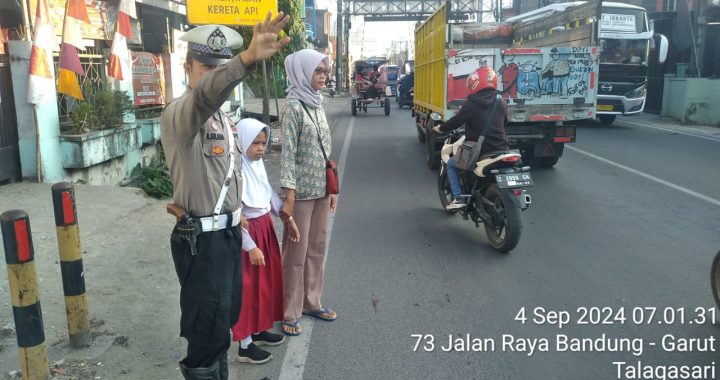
(223, 361)
(203, 373)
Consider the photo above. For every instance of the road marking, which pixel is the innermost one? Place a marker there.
(648, 176)
(672, 130)
(293, 365)
(345, 148)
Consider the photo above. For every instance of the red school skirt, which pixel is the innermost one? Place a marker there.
(262, 295)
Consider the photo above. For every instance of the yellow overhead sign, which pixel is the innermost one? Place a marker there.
(229, 12)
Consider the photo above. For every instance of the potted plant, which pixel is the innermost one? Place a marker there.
(102, 128)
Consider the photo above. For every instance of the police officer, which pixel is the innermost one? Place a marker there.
(205, 162)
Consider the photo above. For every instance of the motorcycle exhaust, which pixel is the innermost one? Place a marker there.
(520, 198)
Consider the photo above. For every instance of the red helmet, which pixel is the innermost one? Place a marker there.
(482, 78)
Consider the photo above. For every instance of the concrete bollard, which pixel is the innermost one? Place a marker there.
(25, 294)
(71, 264)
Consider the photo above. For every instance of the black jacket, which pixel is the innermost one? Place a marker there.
(473, 113)
(407, 82)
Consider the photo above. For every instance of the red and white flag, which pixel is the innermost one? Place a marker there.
(42, 74)
(67, 83)
(3, 39)
(119, 66)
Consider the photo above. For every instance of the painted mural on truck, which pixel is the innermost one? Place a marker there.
(552, 75)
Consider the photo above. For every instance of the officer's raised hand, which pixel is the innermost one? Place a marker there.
(265, 40)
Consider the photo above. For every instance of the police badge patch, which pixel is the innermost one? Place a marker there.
(218, 150)
(217, 42)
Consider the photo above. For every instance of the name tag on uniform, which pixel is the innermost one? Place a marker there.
(214, 136)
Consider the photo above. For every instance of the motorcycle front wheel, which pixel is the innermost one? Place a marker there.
(444, 189)
(715, 278)
(504, 226)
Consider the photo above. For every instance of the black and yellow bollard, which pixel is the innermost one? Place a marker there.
(71, 264)
(25, 294)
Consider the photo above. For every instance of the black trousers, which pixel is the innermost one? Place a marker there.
(210, 293)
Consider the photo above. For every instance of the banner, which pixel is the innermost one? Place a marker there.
(237, 12)
(148, 79)
(96, 13)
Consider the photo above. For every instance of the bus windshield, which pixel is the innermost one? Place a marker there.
(634, 52)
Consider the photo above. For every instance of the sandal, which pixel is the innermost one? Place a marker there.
(293, 328)
(324, 314)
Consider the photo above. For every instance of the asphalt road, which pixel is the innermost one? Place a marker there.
(627, 221)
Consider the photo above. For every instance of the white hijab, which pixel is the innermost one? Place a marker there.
(300, 67)
(256, 189)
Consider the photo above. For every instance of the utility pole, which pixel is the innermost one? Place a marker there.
(339, 48)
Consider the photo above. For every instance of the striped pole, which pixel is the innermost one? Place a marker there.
(71, 264)
(25, 294)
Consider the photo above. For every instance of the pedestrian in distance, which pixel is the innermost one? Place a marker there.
(262, 298)
(481, 106)
(306, 146)
(205, 167)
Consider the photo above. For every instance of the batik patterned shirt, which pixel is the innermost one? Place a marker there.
(303, 164)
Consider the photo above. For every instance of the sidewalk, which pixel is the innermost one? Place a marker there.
(657, 121)
(132, 289)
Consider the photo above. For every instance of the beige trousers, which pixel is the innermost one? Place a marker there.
(302, 262)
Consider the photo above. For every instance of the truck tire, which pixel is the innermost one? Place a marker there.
(529, 159)
(607, 119)
(431, 157)
(353, 106)
(548, 162)
(420, 134)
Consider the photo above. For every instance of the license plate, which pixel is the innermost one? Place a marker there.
(505, 181)
(604, 107)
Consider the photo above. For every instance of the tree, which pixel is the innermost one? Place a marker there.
(295, 29)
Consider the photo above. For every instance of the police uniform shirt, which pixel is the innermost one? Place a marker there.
(196, 142)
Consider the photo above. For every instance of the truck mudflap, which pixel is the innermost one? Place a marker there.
(541, 145)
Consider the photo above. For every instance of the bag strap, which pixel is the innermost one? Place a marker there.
(228, 176)
(317, 127)
(476, 150)
(489, 116)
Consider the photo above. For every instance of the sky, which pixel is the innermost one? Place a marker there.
(374, 38)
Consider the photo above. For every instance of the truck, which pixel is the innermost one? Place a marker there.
(625, 37)
(548, 79)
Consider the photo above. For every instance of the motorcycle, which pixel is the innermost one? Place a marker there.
(405, 97)
(496, 192)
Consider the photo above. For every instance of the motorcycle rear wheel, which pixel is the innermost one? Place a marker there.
(444, 190)
(503, 233)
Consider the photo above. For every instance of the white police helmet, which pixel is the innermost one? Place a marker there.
(211, 44)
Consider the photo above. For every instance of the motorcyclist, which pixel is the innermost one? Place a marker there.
(473, 113)
(406, 83)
